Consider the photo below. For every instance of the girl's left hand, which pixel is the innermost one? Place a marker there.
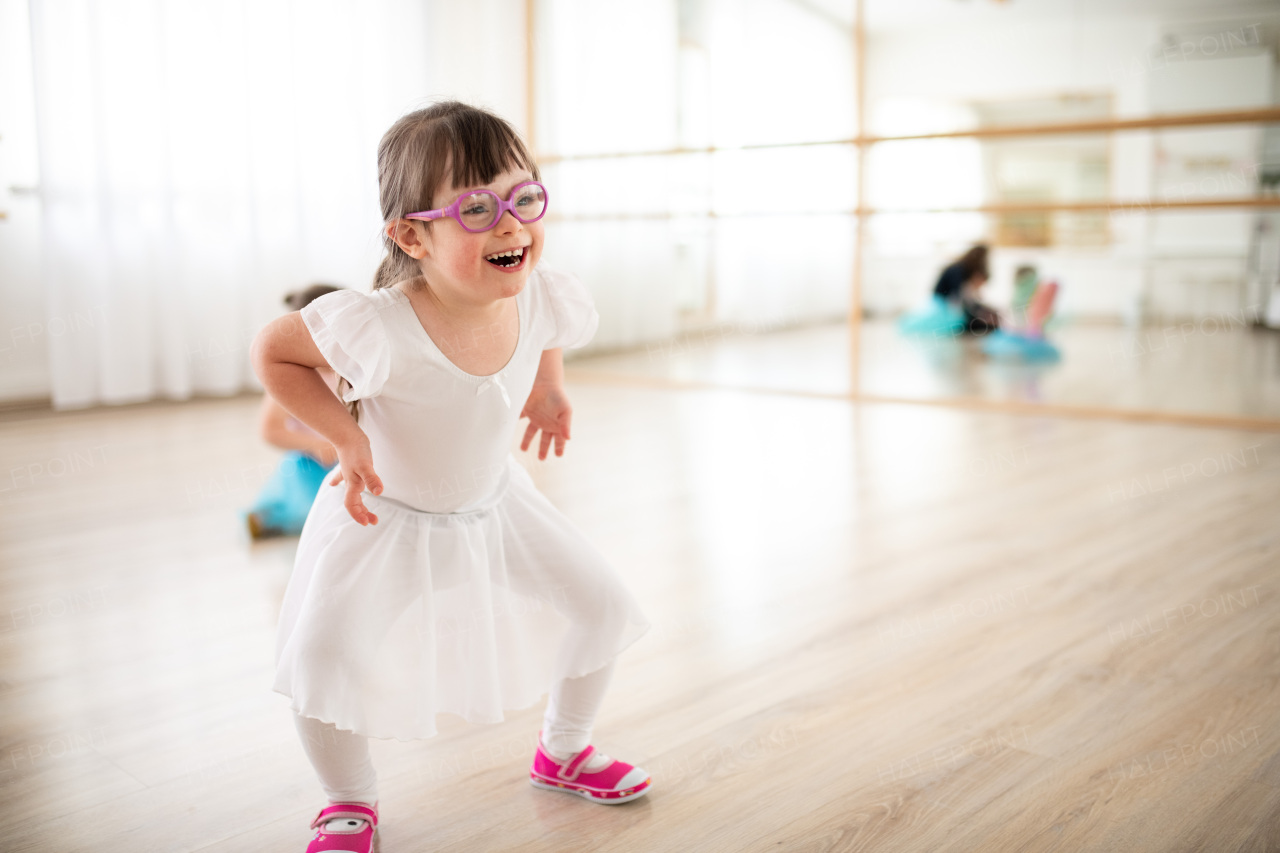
(548, 410)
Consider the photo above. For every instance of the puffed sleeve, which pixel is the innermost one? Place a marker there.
(349, 332)
(572, 309)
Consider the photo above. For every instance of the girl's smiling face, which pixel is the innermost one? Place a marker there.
(466, 264)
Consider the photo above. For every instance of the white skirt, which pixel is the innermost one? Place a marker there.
(471, 613)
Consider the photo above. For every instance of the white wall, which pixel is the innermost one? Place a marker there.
(476, 51)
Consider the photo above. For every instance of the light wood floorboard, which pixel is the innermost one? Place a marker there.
(876, 627)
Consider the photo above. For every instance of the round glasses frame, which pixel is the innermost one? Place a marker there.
(454, 209)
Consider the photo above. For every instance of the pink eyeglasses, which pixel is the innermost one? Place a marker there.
(480, 210)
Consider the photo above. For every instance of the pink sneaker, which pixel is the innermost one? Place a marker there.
(615, 783)
(344, 828)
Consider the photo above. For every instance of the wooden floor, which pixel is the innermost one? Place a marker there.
(876, 627)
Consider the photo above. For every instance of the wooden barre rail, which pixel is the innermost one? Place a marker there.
(1152, 205)
(1268, 115)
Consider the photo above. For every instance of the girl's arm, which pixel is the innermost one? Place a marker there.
(550, 369)
(548, 406)
(286, 360)
(273, 425)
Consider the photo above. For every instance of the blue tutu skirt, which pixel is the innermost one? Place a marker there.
(1019, 347)
(939, 318)
(285, 499)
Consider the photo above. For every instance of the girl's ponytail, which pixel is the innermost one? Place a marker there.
(354, 406)
(396, 266)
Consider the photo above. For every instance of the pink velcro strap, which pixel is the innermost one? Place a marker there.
(571, 770)
(355, 811)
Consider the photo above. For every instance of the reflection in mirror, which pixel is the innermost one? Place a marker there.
(765, 218)
(1168, 316)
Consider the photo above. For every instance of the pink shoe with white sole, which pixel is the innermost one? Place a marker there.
(344, 828)
(616, 782)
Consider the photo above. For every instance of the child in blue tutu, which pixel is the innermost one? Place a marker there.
(283, 503)
(959, 285)
(954, 308)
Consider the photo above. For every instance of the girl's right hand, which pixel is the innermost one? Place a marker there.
(355, 465)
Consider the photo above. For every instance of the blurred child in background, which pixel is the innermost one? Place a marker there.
(959, 284)
(1025, 281)
(283, 503)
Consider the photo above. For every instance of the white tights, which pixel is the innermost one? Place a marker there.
(341, 758)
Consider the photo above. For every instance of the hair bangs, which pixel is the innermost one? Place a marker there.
(471, 149)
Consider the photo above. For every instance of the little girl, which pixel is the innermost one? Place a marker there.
(284, 501)
(440, 579)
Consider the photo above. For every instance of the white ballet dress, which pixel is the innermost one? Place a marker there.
(473, 593)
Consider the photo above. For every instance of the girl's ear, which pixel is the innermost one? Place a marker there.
(410, 236)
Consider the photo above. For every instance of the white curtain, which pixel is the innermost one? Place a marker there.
(198, 160)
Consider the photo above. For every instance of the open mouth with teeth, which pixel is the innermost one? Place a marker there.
(510, 258)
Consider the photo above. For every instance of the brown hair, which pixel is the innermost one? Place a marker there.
(974, 261)
(423, 149)
(447, 142)
(296, 300)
